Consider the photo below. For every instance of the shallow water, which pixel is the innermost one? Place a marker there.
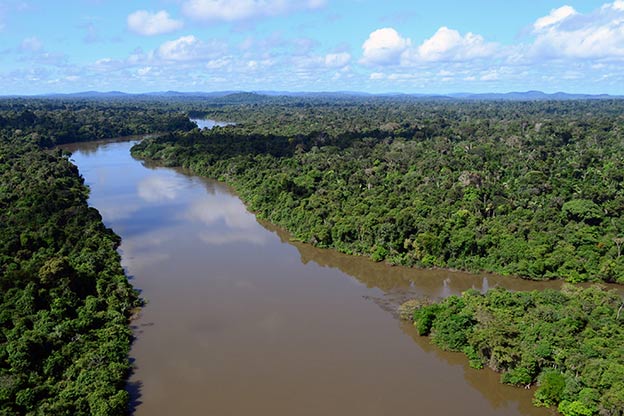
(240, 320)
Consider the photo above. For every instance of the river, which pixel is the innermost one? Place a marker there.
(208, 124)
(240, 320)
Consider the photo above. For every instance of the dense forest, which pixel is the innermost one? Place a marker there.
(65, 300)
(569, 342)
(50, 122)
(533, 189)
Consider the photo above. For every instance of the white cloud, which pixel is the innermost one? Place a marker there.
(491, 75)
(149, 24)
(218, 63)
(567, 34)
(449, 45)
(555, 16)
(104, 61)
(31, 44)
(384, 47)
(144, 70)
(189, 48)
(181, 49)
(235, 10)
(337, 60)
(256, 65)
(107, 65)
(387, 47)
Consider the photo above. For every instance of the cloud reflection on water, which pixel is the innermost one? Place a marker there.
(159, 188)
(228, 222)
(146, 249)
(119, 210)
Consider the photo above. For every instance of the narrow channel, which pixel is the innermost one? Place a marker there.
(240, 320)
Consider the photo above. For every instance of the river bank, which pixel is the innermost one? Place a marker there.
(238, 310)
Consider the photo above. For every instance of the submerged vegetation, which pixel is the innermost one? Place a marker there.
(528, 189)
(569, 342)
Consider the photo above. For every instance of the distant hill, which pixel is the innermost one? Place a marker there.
(88, 94)
(114, 94)
(232, 97)
(191, 94)
(531, 96)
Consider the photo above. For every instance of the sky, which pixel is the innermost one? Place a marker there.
(403, 46)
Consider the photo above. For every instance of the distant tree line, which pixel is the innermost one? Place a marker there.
(52, 122)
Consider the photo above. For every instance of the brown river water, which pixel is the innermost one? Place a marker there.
(242, 321)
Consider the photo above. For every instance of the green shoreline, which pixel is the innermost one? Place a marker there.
(66, 301)
(570, 343)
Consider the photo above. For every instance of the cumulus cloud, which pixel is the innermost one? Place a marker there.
(387, 47)
(337, 60)
(555, 16)
(189, 48)
(384, 47)
(565, 33)
(234, 10)
(145, 23)
(449, 45)
(181, 49)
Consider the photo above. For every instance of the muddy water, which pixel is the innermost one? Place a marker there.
(242, 321)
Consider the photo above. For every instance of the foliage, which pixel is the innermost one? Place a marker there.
(64, 299)
(569, 343)
(528, 189)
(53, 121)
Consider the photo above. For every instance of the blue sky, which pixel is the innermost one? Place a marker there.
(409, 46)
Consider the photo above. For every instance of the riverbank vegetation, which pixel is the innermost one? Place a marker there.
(64, 336)
(528, 189)
(570, 343)
(65, 300)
